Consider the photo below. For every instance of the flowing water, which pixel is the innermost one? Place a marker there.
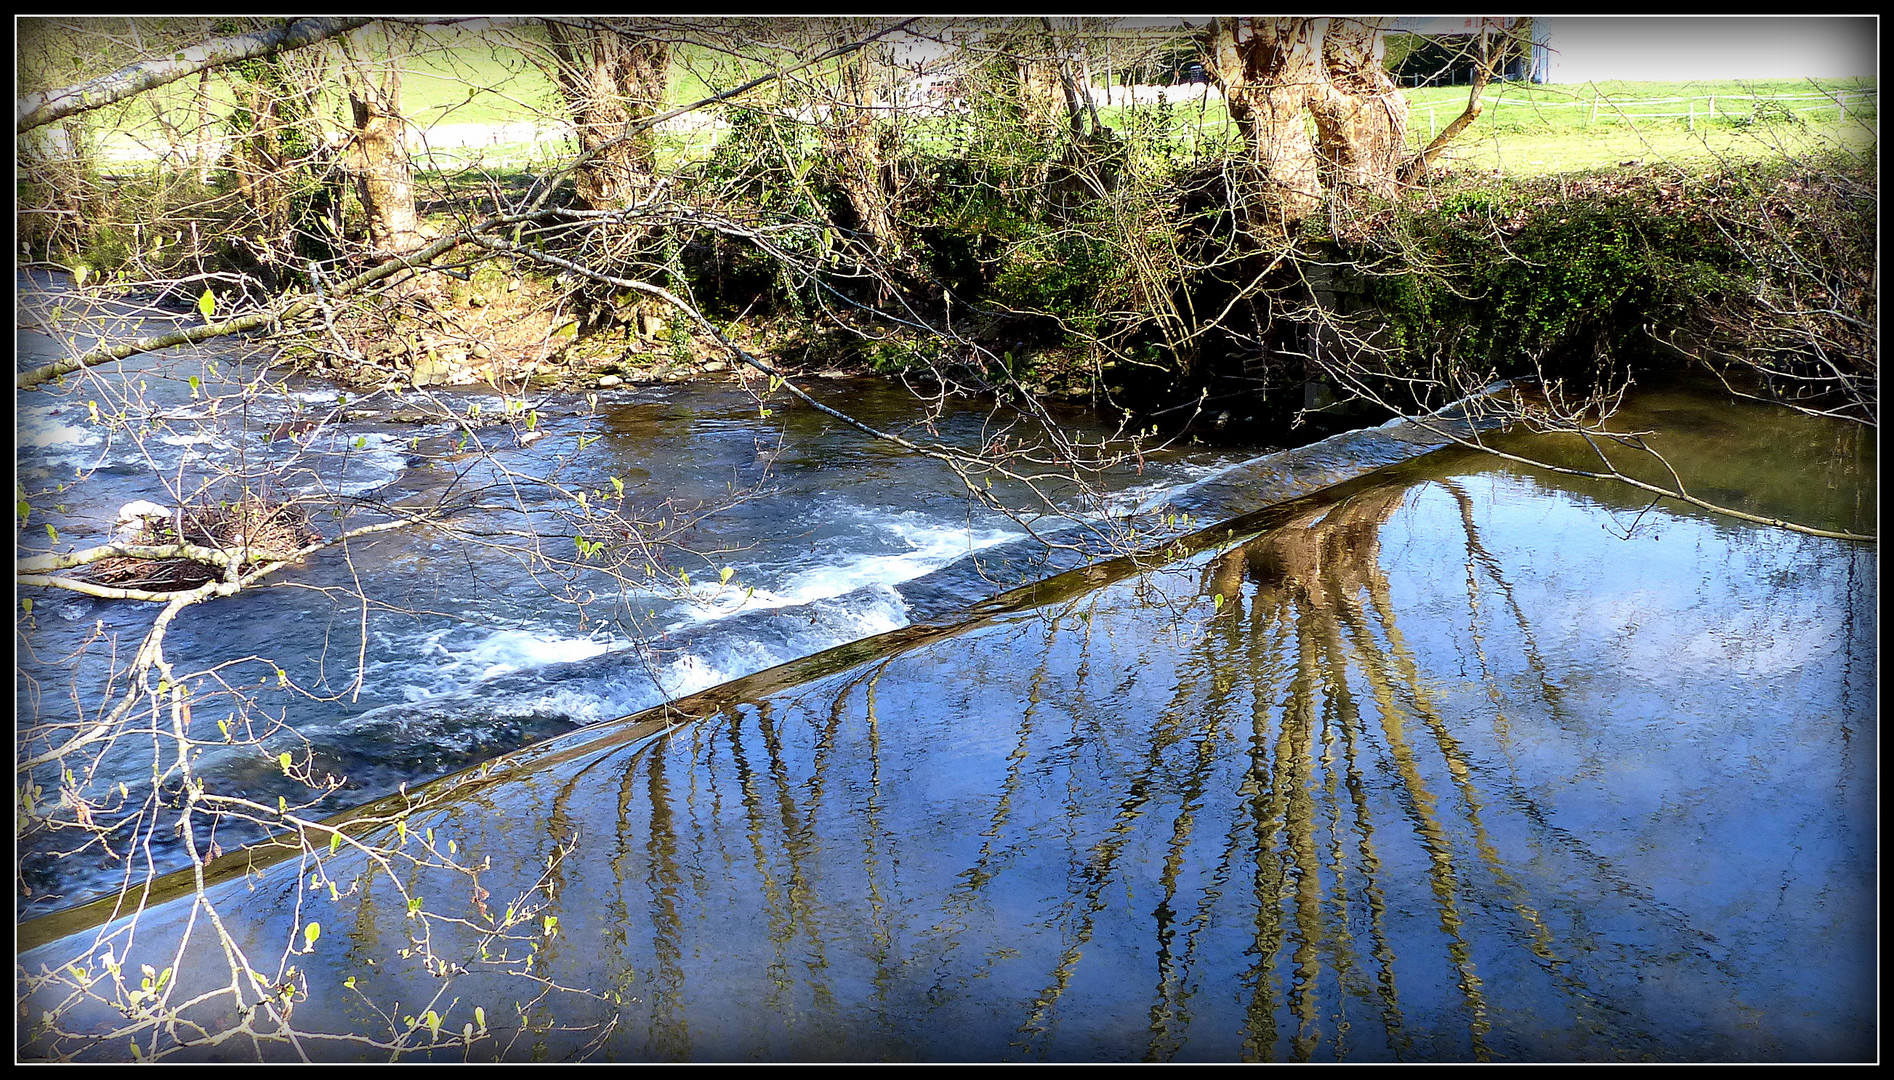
(1439, 759)
(405, 655)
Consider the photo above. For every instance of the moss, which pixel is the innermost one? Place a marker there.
(1568, 274)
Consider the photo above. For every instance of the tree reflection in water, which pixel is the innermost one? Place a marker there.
(1152, 825)
(1382, 800)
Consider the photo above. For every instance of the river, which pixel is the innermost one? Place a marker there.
(1439, 758)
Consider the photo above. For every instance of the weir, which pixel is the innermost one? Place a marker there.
(1452, 761)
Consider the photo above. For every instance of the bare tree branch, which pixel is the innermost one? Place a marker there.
(208, 556)
(37, 110)
(33, 377)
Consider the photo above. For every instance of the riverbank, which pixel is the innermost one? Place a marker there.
(1580, 279)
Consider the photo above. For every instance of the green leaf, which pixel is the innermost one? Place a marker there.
(26, 604)
(283, 759)
(52, 532)
(207, 303)
(724, 574)
(335, 842)
(196, 385)
(79, 274)
(310, 934)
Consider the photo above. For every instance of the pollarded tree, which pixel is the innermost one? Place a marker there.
(280, 168)
(613, 80)
(1279, 73)
(856, 143)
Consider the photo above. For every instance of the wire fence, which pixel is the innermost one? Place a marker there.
(1860, 105)
(1739, 106)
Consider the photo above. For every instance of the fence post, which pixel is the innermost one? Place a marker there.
(1713, 106)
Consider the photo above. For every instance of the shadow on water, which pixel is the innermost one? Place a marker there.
(1445, 765)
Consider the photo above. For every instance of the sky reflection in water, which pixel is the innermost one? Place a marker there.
(1454, 770)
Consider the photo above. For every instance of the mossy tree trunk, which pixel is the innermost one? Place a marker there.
(857, 162)
(378, 151)
(613, 81)
(280, 169)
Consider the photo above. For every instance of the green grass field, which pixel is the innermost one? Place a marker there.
(459, 80)
(1534, 130)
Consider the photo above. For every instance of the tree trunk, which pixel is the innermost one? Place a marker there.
(612, 83)
(1267, 69)
(265, 142)
(378, 152)
(206, 142)
(1041, 105)
(1486, 63)
(856, 162)
(1360, 115)
(1278, 74)
(32, 110)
